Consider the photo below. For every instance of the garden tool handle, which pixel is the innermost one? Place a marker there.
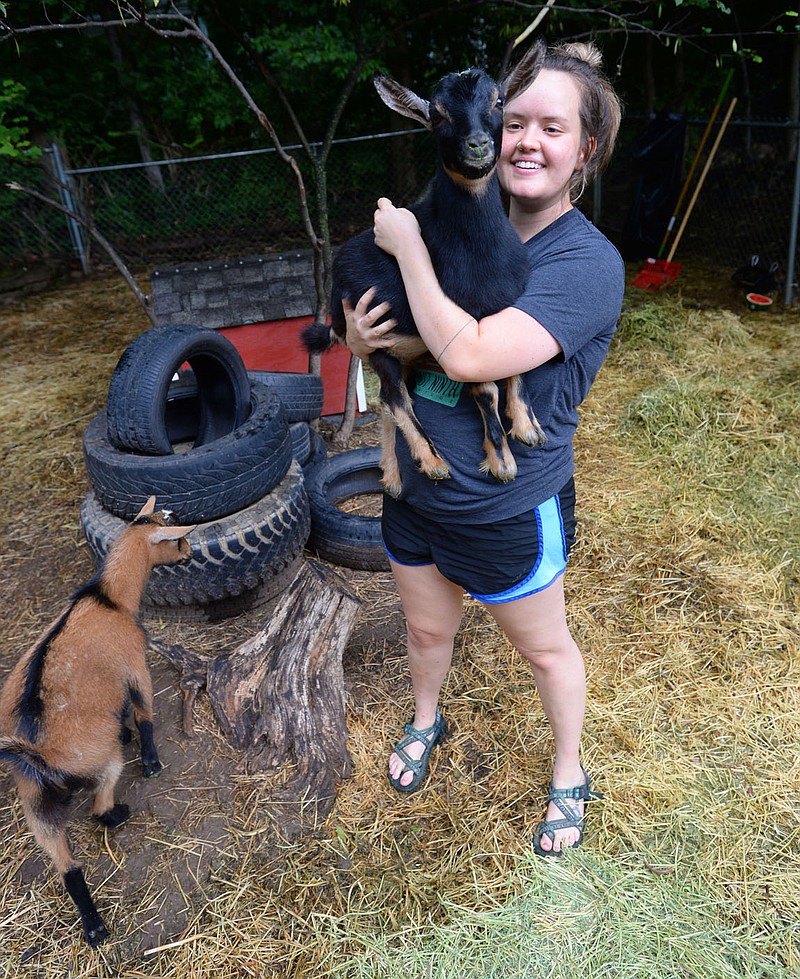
(703, 175)
(687, 182)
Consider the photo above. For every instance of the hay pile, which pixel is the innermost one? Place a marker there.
(683, 594)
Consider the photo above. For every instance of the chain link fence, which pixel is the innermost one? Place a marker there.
(231, 205)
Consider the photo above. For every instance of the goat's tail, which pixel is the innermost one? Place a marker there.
(30, 764)
(318, 337)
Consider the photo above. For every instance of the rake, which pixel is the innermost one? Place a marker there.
(657, 273)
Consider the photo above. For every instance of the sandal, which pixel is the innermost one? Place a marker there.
(549, 827)
(430, 737)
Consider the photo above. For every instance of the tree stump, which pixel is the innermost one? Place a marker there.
(280, 696)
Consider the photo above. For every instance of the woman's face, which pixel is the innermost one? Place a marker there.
(542, 142)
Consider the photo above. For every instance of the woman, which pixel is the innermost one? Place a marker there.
(507, 544)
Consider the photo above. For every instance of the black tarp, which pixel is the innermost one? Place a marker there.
(657, 157)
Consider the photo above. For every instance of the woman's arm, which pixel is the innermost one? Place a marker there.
(505, 343)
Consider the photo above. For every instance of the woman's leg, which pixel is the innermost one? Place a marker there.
(432, 606)
(537, 627)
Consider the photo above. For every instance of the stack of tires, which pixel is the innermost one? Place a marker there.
(223, 448)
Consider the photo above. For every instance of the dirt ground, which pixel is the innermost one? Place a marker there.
(210, 805)
(209, 810)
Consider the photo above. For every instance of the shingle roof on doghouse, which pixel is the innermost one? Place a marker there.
(253, 289)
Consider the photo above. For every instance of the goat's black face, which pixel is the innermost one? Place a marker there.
(467, 119)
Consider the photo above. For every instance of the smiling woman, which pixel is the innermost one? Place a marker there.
(465, 532)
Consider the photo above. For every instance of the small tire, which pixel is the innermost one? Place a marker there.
(302, 394)
(225, 608)
(301, 441)
(318, 450)
(346, 539)
(138, 408)
(251, 550)
(204, 483)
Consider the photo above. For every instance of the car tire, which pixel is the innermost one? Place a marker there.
(203, 483)
(250, 551)
(301, 441)
(346, 539)
(139, 406)
(302, 394)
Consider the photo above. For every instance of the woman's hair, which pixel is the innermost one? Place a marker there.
(600, 111)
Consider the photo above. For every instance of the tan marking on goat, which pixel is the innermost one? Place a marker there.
(391, 480)
(422, 451)
(477, 187)
(408, 349)
(524, 424)
(502, 464)
(441, 108)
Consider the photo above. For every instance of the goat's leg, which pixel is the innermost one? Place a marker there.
(104, 810)
(524, 425)
(46, 813)
(499, 460)
(94, 928)
(141, 697)
(397, 400)
(391, 480)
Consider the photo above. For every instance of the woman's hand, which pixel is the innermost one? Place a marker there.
(395, 227)
(364, 334)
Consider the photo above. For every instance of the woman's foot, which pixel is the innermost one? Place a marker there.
(408, 763)
(562, 827)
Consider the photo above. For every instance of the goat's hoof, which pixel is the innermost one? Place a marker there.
(151, 767)
(114, 816)
(502, 472)
(441, 471)
(96, 934)
(530, 436)
(392, 489)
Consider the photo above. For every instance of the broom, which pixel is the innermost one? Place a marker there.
(658, 273)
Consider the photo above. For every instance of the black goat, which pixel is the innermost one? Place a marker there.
(479, 260)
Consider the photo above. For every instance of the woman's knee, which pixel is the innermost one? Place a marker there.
(430, 633)
(550, 651)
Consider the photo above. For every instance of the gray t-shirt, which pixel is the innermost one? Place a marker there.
(575, 287)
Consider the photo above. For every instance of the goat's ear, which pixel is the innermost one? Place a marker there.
(157, 534)
(147, 509)
(402, 99)
(524, 73)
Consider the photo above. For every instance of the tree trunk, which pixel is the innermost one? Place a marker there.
(279, 697)
(153, 174)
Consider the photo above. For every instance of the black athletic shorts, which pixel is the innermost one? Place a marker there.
(496, 562)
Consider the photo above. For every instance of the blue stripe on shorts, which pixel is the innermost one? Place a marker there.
(552, 560)
(495, 562)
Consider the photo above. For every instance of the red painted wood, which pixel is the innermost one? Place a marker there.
(276, 346)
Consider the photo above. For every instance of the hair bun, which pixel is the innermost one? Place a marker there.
(581, 51)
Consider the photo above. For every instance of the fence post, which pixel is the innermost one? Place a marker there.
(788, 294)
(76, 234)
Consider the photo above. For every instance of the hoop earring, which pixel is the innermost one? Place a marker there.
(578, 196)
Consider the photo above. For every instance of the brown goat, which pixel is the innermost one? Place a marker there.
(63, 707)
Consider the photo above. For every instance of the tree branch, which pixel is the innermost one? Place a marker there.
(100, 239)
